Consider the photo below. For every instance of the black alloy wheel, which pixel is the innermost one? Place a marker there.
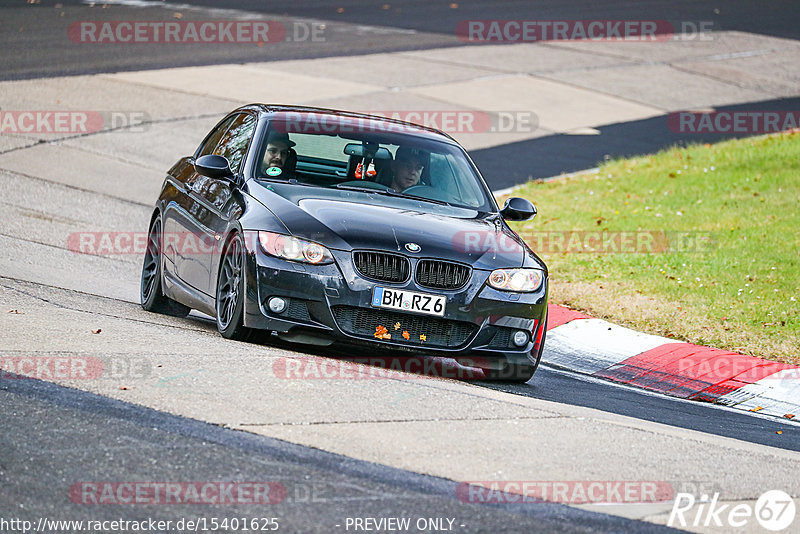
(151, 294)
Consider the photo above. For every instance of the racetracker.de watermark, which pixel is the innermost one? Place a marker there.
(215, 32)
(468, 241)
(739, 122)
(466, 121)
(109, 243)
(379, 367)
(587, 242)
(724, 364)
(70, 122)
(172, 493)
(448, 121)
(566, 492)
(72, 367)
(516, 31)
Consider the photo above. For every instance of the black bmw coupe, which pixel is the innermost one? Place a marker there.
(326, 227)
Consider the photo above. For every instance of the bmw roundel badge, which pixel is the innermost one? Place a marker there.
(413, 247)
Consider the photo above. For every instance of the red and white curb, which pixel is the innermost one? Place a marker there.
(582, 344)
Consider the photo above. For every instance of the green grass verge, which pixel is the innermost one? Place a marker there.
(737, 287)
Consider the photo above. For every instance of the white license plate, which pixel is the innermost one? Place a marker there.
(410, 301)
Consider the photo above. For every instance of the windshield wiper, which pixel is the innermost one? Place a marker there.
(362, 189)
(290, 181)
(394, 193)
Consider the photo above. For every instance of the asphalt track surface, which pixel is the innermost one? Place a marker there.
(37, 31)
(54, 436)
(566, 387)
(51, 434)
(442, 17)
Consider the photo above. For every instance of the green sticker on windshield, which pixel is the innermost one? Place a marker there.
(273, 171)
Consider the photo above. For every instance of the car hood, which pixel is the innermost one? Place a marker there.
(348, 220)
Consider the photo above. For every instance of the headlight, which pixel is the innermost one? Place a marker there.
(521, 280)
(291, 248)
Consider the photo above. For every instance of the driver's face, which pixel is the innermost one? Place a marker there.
(277, 154)
(406, 173)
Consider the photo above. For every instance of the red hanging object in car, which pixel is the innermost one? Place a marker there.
(371, 172)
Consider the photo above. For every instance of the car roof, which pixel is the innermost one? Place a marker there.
(353, 118)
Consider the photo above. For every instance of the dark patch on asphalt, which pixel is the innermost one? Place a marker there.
(552, 155)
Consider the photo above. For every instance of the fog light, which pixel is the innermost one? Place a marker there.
(520, 338)
(278, 305)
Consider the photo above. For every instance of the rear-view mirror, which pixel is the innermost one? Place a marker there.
(355, 149)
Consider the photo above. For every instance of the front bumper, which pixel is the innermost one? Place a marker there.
(333, 302)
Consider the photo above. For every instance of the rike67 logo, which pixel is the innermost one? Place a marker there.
(775, 511)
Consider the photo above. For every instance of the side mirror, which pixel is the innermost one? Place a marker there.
(213, 166)
(518, 209)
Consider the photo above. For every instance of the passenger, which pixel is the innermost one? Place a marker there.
(279, 147)
(407, 167)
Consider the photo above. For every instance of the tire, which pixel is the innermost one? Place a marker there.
(231, 292)
(151, 294)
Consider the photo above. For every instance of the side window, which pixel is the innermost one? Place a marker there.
(236, 139)
(213, 140)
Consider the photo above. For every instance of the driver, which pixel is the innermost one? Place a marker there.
(278, 145)
(407, 168)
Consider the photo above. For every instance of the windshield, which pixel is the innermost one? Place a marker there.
(377, 157)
